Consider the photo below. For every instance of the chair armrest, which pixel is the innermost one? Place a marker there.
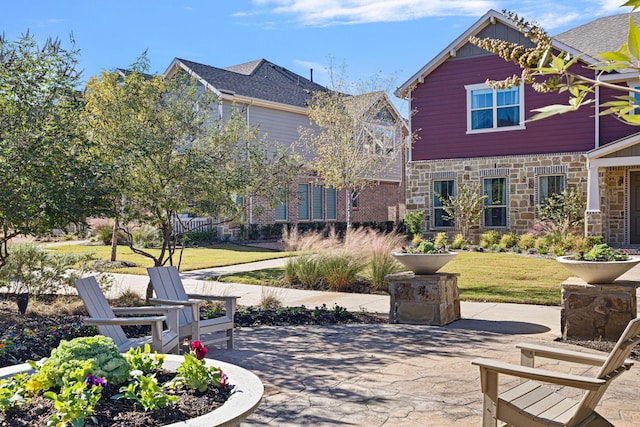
(535, 350)
(151, 309)
(175, 302)
(150, 320)
(213, 297)
(577, 381)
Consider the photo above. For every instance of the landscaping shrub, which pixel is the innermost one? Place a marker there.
(508, 241)
(527, 241)
(203, 236)
(413, 222)
(542, 245)
(379, 266)
(560, 214)
(459, 242)
(339, 270)
(441, 239)
(305, 270)
(145, 236)
(490, 239)
(591, 241)
(32, 269)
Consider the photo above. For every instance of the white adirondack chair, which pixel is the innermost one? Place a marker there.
(169, 289)
(531, 403)
(102, 315)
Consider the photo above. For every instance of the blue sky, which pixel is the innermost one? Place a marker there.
(371, 37)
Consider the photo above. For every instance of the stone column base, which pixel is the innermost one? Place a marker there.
(424, 299)
(597, 311)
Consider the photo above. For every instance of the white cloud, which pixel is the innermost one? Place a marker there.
(334, 12)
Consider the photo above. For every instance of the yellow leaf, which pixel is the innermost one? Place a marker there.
(633, 40)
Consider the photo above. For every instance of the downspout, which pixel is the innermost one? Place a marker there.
(250, 220)
(597, 119)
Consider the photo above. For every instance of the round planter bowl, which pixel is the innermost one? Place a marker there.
(246, 396)
(598, 272)
(424, 263)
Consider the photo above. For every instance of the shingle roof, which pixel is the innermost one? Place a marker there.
(600, 35)
(259, 79)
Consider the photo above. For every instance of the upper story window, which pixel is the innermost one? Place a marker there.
(492, 110)
(636, 96)
(381, 139)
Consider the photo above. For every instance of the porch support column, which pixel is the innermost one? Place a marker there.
(593, 187)
(593, 216)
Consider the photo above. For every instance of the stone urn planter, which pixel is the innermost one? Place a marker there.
(242, 402)
(598, 272)
(424, 263)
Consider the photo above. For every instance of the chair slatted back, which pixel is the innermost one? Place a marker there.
(613, 366)
(168, 285)
(98, 307)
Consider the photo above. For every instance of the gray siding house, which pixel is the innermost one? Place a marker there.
(275, 100)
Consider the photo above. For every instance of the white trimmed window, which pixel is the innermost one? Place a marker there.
(495, 202)
(493, 110)
(548, 185)
(443, 189)
(636, 96)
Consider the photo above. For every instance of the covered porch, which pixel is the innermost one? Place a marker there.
(613, 192)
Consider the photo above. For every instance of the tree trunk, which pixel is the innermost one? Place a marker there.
(114, 238)
(348, 195)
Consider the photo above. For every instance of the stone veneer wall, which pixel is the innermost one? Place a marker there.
(522, 174)
(613, 206)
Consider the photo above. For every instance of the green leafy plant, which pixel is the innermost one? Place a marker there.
(194, 373)
(76, 401)
(13, 391)
(145, 391)
(508, 241)
(489, 239)
(424, 247)
(459, 242)
(602, 252)
(142, 359)
(96, 355)
(414, 222)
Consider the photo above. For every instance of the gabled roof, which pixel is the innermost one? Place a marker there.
(260, 79)
(604, 34)
(488, 18)
(600, 35)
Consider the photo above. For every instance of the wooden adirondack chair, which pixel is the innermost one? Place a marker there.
(104, 317)
(169, 289)
(533, 404)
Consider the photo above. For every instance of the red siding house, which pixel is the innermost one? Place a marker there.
(469, 133)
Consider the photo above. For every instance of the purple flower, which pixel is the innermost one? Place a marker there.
(92, 380)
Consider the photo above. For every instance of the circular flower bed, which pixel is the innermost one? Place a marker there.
(87, 380)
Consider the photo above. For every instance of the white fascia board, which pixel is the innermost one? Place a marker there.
(488, 18)
(176, 64)
(264, 103)
(612, 147)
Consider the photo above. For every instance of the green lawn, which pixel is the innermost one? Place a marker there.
(484, 276)
(192, 259)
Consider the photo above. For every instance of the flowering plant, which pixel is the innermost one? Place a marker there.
(602, 252)
(83, 374)
(424, 247)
